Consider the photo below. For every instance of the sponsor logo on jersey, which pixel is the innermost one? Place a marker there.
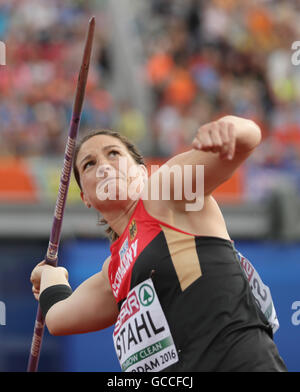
(127, 257)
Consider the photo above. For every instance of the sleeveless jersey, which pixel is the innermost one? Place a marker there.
(214, 321)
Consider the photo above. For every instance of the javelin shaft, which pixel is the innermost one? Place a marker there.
(52, 251)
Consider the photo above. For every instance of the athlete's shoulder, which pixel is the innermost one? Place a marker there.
(105, 266)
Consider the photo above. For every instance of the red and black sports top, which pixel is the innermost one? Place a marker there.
(211, 311)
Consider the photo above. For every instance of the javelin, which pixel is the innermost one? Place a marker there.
(51, 255)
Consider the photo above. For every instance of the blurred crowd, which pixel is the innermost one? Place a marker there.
(202, 60)
(44, 45)
(210, 58)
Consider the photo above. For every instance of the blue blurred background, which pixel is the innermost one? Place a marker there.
(277, 263)
(159, 70)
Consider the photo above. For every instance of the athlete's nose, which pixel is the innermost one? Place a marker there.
(105, 170)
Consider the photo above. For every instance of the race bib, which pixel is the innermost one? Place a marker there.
(261, 292)
(142, 337)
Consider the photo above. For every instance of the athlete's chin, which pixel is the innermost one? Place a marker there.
(117, 195)
(112, 203)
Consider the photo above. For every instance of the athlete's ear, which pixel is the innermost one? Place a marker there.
(85, 200)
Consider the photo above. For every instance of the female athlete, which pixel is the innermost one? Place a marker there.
(173, 286)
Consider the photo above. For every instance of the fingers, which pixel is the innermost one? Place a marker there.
(218, 137)
(36, 293)
(35, 277)
(224, 131)
(232, 141)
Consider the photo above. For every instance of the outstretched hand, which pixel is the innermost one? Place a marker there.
(217, 136)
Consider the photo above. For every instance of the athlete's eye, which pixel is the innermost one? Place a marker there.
(88, 164)
(113, 153)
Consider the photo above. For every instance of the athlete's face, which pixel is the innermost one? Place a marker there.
(108, 173)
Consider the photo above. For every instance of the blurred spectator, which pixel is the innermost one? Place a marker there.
(226, 57)
(44, 47)
(131, 123)
(202, 60)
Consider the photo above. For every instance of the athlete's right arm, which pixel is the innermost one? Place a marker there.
(91, 307)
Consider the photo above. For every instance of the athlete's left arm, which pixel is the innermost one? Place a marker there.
(221, 146)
